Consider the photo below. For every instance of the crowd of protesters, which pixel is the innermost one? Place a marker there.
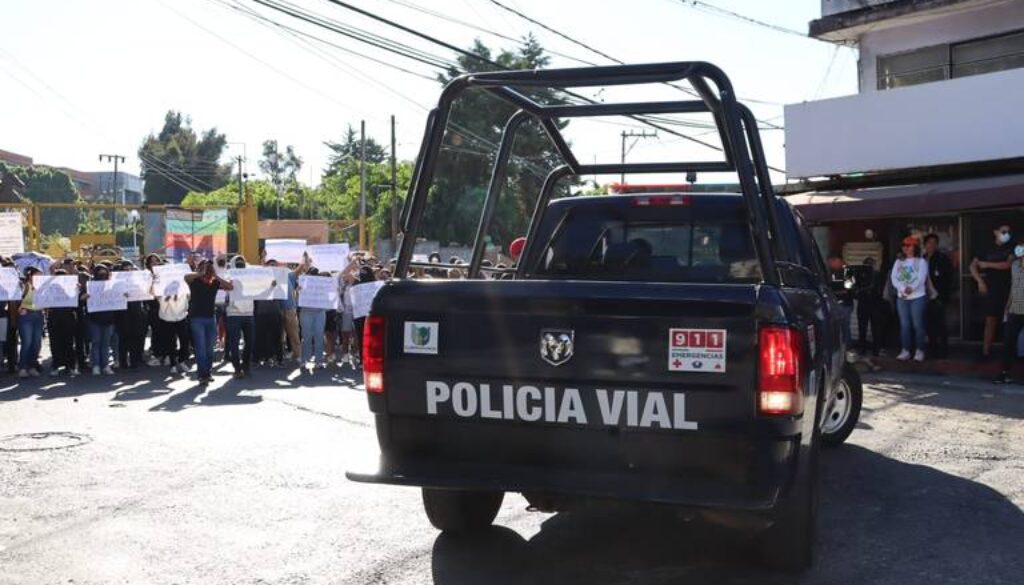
(181, 332)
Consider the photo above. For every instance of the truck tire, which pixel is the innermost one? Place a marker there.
(845, 413)
(461, 511)
(788, 545)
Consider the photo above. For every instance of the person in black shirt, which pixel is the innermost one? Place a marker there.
(131, 327)
(992, 273)
(870, 306)
(940, 271)
(203, 285)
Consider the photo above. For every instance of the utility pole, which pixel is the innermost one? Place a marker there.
(362, 184)
(241, 189)
(394, 189)
(632, 134)
(113, 195)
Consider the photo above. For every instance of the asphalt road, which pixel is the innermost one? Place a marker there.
(149, 480)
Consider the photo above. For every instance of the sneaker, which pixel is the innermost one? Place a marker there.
(33, 372)
(23, 373)
(174, 370)
(183, 367)
(904, 356)
(96, 371)
(73, 373)
(108, 371)
(1003, 378)
(919, 356)
(239, 375)
(154, 362)
(54, 373)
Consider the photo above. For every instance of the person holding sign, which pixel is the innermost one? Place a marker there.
(311, 319)
(131, 327)
(241, 325)
(63, 327)
(30, 328)
(101, 328)
(203, 285)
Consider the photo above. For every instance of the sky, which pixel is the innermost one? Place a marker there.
(85, 77)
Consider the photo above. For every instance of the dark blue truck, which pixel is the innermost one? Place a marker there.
(672, 348)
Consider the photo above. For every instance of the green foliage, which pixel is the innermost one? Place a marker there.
(178, 160)
(280, 167)
(345, 155)
(49, 185)
(263, 193)
(95, 221)
(338, 196)
(465, 165)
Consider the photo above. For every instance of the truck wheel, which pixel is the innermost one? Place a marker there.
(461, 511)
(845, 413)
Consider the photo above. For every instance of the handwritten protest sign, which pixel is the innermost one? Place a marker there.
(362, 297)
(53, 292)
(136, 284)
(12, 237)
(329, 257)
(250, 283)
(10, 284)
(318, 292)
(286, 251)
(279, 291)
(105, 295)
(169, 279)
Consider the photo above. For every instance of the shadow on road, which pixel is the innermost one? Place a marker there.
(959, 394)
(882, 521)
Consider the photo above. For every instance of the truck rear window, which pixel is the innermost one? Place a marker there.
(665, 245)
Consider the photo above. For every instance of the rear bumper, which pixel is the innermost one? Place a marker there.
(721, 472)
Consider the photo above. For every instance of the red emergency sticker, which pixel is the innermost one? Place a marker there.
(696, 350)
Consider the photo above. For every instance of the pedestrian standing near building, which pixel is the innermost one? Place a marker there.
(241, 328)
(203, 285)
(871, 308)
(30, 328)
(909, 277)
(992, 274)
(101, 328)
(940, 272)
(1014, 314)
(62, 324)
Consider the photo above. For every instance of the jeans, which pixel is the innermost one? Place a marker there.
(204, 336)
(912, 330)
(240, 326)
(313, 322)
(30, 330)
(100, 336)
(1011, 339)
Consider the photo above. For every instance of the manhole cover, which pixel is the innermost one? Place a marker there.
(43, 441)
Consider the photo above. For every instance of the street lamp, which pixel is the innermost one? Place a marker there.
(133, 216)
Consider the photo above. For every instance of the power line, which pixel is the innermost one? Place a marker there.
(712, 9)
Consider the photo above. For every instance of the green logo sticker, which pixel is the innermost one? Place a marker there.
(420, 335)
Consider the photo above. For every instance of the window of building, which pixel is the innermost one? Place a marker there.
(948, 61)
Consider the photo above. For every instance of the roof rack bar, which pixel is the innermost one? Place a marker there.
(555, 135)
(543, 198)
(657, 167)
(600, 76)
(417, 169)
(591, 110)
(516, 99)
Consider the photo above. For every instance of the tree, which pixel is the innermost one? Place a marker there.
(264, 195)
(49, 185)
(280, 168)
(345, 155)
(470, 144)
(178, 160)
(338, 196)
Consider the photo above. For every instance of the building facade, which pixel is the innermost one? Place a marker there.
(930, 144)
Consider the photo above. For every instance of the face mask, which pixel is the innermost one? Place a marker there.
(1004, 237)
(1018, 251)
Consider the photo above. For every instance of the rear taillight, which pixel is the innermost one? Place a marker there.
(373, 353)
(661, 201)
(779, 390)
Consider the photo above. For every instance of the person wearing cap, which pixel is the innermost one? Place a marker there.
(30, 327)
(1013, 313)
(909, 278)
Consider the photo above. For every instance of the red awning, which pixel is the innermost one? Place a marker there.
(911, 200)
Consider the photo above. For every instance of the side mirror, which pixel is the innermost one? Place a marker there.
(796, 275)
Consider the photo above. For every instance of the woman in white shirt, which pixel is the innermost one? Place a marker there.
(909, 277)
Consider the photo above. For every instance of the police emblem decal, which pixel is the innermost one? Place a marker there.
(556, 345)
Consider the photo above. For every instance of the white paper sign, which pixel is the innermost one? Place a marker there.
(12, 238)
(362, 297)
(286, 251)
(169, 279)
(10, 284)
(250, 283)
(329, 257)
(279, 292)
(318, 292)
(105, 295)
(54, 292)
(137, 284)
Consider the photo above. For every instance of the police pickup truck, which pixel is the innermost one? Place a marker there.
(671, 348)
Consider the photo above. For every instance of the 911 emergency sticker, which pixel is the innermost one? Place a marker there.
(696, 350)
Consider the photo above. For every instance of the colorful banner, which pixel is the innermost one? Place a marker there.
(202, 232)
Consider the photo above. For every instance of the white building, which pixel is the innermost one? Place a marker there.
(934, 140)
